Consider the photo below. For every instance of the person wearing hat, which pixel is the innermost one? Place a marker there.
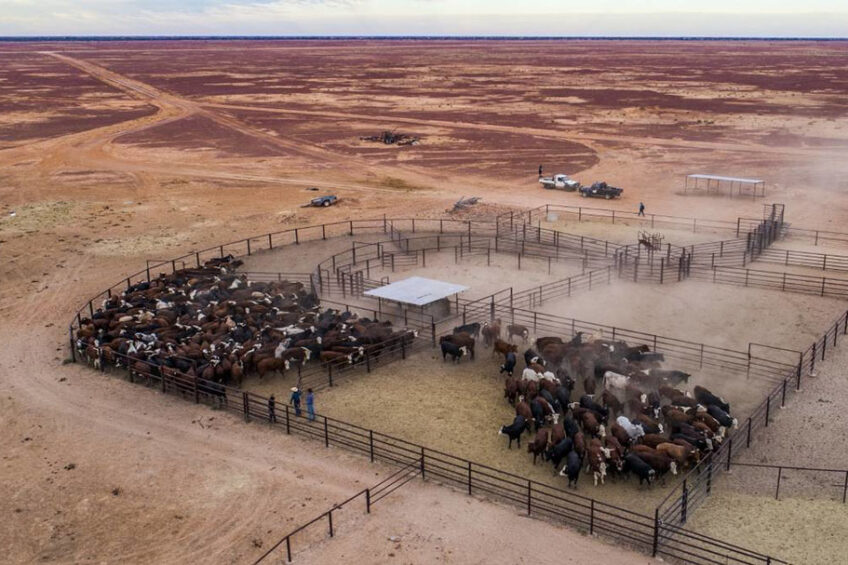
(295, 400)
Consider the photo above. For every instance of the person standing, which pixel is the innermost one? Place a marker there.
(641, 209)
(540, 171)
(295, 400)
(310, 404)
(272, 416)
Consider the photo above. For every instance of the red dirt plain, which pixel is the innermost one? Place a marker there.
(240, 130)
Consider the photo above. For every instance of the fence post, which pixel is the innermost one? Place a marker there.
(73, 349)
(845, 488)
(729, 452)
(777, 490)
(529, 497)
(288, 550)
(684, 502)
(196, 391)
(422, 463)
(813, 358)
(330, 516)
(768, 408)
(592, 516)
(748, 440)
(245, 405)
(656, 528)
(288, 423)
(326, 433)
(371, 444)
(469, 478)
(798, 374)
(783, 395)
(368, 501)
(248, 246)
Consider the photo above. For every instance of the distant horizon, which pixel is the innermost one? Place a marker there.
(422, 36)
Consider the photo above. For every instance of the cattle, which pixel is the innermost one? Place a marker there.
(611, 402)
(541, 342)
(517, 330)
(633, 463)
(522, 408)
(634, 431)
(589, 385)
(509, 363)
(650, 425)
(529, 374)
(615, 380)
(272, 364)
(531, 357)
(653, 440)
(678, 453)
(710, 422)
(558, 452)
(503, 347)
(620, 434)
(579, 441)
(571, 469)
(514, 430)
(491, 332)
(616, 453)
(462, 339)
(336, 357)
(674, 416)
(706, 398)
(539, 444)
(669, 376)
(670, 392)
(471, 329)
(563, 396)
(591, 425)
(549, 398)
(595, 453)
(722, 417)
(453, 350)
(586, 401)
(570, 426)
(511, 389)
(659, 462)
(538, 411)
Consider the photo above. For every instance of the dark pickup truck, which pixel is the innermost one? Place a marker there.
(600, 190)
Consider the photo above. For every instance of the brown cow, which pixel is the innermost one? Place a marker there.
(612, 402)
(272, 364)
(679, 453)
(518, 330)
(336, 357)
(596, 460)
(589, 385)
(511, 389)
(539, 444)
(491, 332)
(503, 347)
(653, 440)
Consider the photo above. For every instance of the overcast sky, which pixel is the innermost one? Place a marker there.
(756, 18)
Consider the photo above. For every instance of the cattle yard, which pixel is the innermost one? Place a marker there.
(522, 271)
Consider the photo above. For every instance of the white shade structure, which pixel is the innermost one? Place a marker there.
(416, 291)
(718, 184)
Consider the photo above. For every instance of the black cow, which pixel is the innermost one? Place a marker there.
(472, 329)
(706, 398)
(509, 364)
(538, 413)
(669, 376)
(563, 396)
(570, 426)
(558, 452)
(514, 430)
(586, 401)
(721, 416)
(572, 468)
(453, 350)
(644, 471)
(531, 356)
(551, 400)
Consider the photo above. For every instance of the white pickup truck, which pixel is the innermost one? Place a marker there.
(561, 182)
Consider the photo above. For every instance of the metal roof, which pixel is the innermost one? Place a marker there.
(417, 291)
(729, 179)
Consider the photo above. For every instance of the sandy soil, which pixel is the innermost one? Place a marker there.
(808, 432)
(96, 191)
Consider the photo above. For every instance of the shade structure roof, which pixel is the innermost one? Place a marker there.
(418, 291)
(726, 179)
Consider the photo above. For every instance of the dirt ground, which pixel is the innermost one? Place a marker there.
(808, 432)
(114, 153)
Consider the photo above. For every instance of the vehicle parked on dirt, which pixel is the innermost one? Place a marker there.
(560, 182)
(600, 190)
(323, 201)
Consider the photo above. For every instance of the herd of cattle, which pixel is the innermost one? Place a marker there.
(215, 324)
(630, 420)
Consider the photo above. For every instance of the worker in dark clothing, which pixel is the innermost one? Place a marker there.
(295, 400)
(310, 404)
(641, 209)
(540, 171)
(272, 416)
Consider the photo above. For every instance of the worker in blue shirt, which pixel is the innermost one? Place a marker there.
(295, 400)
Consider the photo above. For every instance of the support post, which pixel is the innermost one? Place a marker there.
(777, 490)
(656, 529)
(748, 439)
(371, 444)
(469, 477)
(245, 404)
(326, 433)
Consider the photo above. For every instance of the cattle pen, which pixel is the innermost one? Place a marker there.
(662, 533)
